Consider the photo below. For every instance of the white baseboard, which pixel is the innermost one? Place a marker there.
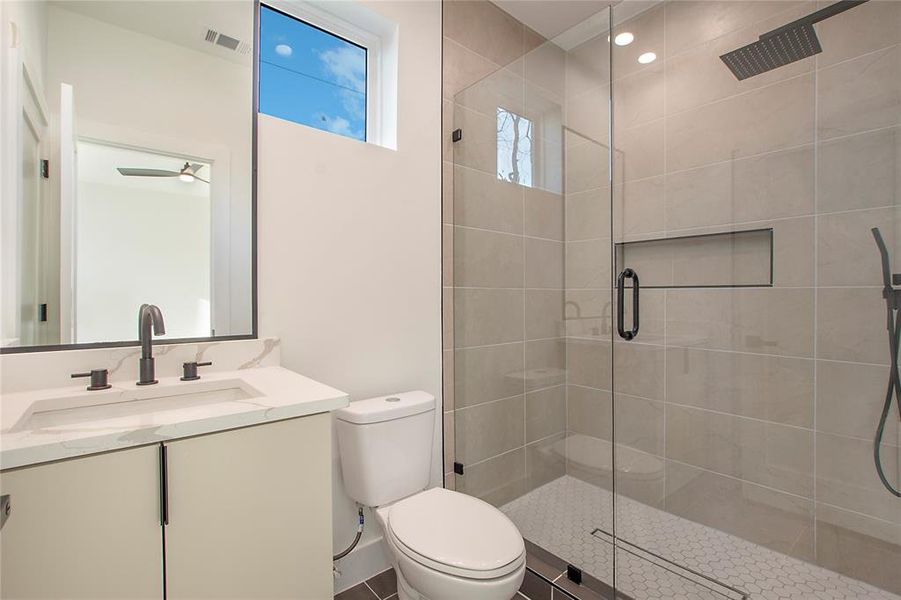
(366, 560)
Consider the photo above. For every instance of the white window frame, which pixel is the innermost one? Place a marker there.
(358, 25)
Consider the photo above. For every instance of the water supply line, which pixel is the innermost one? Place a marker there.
(893, 324)
(357, 537)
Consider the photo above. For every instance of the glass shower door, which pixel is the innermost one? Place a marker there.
(749, 384)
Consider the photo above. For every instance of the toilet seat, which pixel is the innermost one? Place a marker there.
(455, 534)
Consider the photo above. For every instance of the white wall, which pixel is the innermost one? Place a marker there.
(350, 251)
(135, 89)
(123, 263)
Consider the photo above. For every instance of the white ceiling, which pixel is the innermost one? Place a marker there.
(550, 18)
(97, 163)
(181, 22)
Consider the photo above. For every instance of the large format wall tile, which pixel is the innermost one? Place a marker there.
(850, 397)
(766, 321)
(846, 476)
(762, 515)
(545, 363)
(487, 259)
(587, 165)
(545, 413)
(639, 423)
(869, 27)
(488, 373)
(639, 207)
(589, 412)
(698, 76)
(478, 147)
(638, 98)
(851, 325)
(482, 200)
(860, 171)
(462, 68)
(774, 455)
(771, 388)
(588, 363)
(487, 316)
(587, 264)
(544, 314)
(498, 480)
(489, 429)
(693, 22)
(776, 185)
(767, 119)
(859, 547)
(544, 213)
(847, 254)
(544, 461)
(485, 29)
(639, 151)
(860, 94)
(587, 215)
(638, 369)
(543, 264)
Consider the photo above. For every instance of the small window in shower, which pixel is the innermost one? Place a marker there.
(514, 147)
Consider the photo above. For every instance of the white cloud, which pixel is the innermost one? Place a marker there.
(347, 65)
(284, 50)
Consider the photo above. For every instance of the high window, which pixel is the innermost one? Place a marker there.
(311, 76)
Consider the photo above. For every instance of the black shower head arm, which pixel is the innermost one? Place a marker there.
(816, 17)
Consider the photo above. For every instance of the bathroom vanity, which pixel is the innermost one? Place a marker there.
(213, 488)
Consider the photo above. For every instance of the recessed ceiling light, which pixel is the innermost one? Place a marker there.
(284, 50)
(647, 57)
(623, 39)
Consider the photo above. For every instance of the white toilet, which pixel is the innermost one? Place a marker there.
(443, 545)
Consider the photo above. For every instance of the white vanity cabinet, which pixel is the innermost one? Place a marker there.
(249, 516)
(84, 528)
(250, 513)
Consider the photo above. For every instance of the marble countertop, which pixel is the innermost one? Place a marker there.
(253, 396)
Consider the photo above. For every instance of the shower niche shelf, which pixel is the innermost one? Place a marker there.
(729, 259)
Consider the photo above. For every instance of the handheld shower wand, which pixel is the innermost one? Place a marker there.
(893, 324)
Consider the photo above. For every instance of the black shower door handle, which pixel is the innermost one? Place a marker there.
(620, 304)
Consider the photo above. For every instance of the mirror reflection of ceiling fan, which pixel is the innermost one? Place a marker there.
(188, 173)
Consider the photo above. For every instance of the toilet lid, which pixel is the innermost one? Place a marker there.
(460, 532)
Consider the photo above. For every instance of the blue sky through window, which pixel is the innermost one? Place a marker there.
(310, 76)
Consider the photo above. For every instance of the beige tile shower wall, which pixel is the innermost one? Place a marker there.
(759, 405)
(503, 259)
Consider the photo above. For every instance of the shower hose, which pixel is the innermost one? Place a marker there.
(893, 324)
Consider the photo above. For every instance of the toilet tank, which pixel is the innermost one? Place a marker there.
(385, 445)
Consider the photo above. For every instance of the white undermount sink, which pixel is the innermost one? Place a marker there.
(84, 407)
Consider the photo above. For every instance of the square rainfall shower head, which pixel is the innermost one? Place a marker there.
(773, 50)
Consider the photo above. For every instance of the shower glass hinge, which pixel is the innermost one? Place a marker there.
(458, 468)
(457, 135)
(574, 574)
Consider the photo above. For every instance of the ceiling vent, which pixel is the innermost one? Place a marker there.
(220, 39)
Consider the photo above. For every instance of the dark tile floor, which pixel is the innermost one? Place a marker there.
(380, 587)
(544, 567)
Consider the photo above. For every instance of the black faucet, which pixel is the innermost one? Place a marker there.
(149, 315)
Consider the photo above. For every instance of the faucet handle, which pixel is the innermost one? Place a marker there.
(190, 370)
(99, 379)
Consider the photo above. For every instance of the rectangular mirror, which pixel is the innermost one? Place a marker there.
(127, 170)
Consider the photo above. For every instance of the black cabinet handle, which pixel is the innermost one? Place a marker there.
(620, 302)
(164, 485)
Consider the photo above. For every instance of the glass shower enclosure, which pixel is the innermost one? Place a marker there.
(673, 321)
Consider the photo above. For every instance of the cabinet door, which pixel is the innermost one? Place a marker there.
(250, 512)
(84, 528)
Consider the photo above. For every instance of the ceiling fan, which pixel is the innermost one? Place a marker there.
(188, 173)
